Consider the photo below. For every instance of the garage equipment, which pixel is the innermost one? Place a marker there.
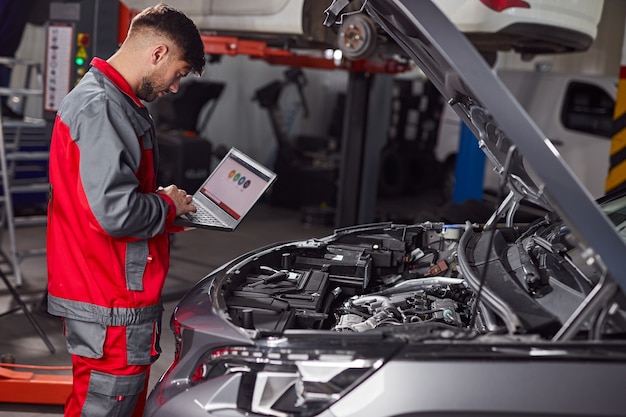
(34, 384)
(307, 166)
(354, 196)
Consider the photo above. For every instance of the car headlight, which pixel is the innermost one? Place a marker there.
(298, 382)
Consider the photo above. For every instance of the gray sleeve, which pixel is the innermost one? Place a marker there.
(110, 154)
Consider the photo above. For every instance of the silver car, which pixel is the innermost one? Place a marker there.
(498, 318)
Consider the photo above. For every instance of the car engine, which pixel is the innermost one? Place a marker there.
(530, 280)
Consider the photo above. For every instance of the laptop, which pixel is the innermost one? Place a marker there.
(229, 193)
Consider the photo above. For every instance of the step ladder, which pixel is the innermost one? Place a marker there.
(24, 146)
(19, 151)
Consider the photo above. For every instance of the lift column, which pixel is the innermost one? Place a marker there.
(366, 120)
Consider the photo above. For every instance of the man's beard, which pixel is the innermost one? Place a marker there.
(146, 91)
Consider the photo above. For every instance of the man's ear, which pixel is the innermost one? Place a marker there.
(159, 53)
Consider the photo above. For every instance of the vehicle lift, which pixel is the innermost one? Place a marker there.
(355, 197)
(30, 387)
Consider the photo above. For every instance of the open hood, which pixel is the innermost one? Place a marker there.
(530, 167)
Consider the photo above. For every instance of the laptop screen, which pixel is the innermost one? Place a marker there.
(235, 185)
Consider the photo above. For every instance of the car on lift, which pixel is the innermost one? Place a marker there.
(529, 27)
(505, 317)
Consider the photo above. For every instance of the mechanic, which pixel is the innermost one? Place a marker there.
(108, 224)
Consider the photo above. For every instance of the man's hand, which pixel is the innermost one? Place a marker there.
(181, 199)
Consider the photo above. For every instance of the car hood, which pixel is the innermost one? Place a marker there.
(530, 167)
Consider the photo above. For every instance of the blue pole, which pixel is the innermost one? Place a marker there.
(470, 168)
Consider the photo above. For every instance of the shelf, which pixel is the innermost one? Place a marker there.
(26, 122)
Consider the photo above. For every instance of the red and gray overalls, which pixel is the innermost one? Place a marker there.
(107, 242)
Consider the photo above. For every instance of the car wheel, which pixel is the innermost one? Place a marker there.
(357, 37)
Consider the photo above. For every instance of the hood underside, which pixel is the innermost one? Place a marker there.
(530, 167)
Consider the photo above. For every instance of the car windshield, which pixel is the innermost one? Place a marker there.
(616, 212)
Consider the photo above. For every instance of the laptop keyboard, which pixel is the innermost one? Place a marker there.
(203, 216)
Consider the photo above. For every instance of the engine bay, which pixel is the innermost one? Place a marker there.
(529, 279)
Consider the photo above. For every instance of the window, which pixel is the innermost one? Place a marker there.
(588, 108)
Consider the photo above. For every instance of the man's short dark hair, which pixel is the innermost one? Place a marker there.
(176, 26)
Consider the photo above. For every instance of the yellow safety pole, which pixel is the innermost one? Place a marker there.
(616, 178)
